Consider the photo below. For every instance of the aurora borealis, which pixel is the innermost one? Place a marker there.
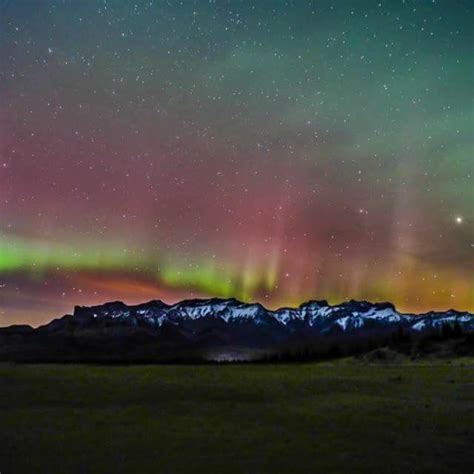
(274, 151)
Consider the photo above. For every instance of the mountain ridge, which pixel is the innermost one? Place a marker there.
(205, 327)
(323, 308)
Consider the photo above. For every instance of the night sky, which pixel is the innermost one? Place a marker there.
(274, 151)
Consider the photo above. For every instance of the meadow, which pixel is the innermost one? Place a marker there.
(341, 417)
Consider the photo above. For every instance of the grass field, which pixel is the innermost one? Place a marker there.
(318, 418)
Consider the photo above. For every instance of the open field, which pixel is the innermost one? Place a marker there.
(341, 417)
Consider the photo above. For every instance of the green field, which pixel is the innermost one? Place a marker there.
(318, 418)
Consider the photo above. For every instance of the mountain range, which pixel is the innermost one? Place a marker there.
(214, 329)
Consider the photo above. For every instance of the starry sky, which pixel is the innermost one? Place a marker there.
(274, 151)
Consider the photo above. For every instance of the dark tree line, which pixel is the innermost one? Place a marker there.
(401, 340)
